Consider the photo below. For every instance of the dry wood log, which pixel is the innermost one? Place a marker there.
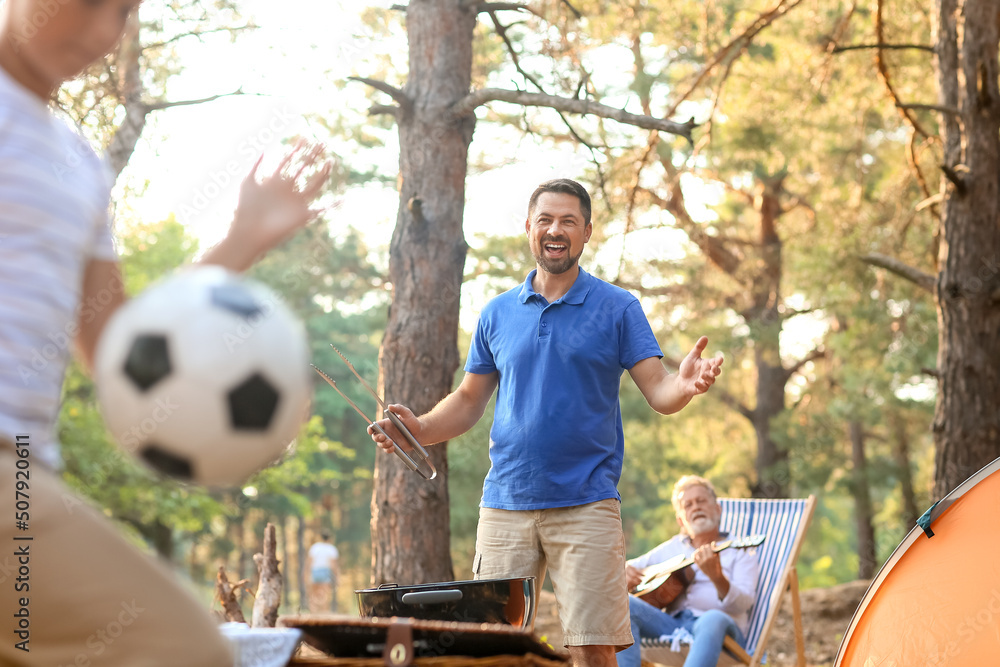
(265, 605)
(225, 593)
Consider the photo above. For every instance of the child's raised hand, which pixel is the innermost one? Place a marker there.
(273, 208)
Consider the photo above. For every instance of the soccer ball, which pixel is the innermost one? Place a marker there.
(204, 376)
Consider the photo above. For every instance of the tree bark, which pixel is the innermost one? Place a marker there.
(966, 418)
(419, 355)
(281, 534)
(163, 540)
(131, 90)
(765, 321)
(300, 558)
(901, 454)
(862, 502)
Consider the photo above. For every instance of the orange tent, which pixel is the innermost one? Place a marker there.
(936, 601)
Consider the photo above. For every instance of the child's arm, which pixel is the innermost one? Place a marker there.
(269, 211)
(103, 293)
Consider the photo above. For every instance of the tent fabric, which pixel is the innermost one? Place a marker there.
(780, 521)
(936, 601)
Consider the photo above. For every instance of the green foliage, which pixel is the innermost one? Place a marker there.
(150, 251)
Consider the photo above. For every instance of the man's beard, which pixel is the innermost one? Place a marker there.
(703, 525)
(555, 266)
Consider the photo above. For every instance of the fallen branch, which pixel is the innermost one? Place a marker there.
(265, 605)
(226, 594)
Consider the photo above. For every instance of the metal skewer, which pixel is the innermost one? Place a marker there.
(333, 383)
(393, 417)
(424, 468)
(358, 375)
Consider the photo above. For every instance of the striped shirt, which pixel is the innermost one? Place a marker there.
(54, 194)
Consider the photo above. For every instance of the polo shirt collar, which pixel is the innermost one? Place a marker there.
(575, 296)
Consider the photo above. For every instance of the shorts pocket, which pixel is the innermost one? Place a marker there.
(477, 564)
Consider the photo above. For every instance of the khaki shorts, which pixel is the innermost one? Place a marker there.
(582, 547)
(74, 592)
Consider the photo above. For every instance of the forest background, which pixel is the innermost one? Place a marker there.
(795, 220)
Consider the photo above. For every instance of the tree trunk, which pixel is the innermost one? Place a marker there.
(966, 418)
(196, 567)
(159, 535)
(772, 461)
(242, 557)
(862, 503)
(300, 561)
(282, 536)
(163, 540)
(131, 90)
(760, 279)
(419, 355)
(764, 320)
(901, 453)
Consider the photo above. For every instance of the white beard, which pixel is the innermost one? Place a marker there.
(703, 525)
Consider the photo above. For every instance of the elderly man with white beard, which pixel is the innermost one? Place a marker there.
(715, 601)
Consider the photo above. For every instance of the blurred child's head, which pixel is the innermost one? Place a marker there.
(45, 42)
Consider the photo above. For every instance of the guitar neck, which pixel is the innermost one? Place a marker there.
(672, 565)
(655, 576)
(719, 546)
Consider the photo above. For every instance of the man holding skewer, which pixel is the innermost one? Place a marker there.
(556, 348)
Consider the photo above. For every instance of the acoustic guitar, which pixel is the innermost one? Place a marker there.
(663, 582)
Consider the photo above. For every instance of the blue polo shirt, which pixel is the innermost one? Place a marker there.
(557, 437)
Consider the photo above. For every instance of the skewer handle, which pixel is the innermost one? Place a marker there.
(427, 469)
(410, 463)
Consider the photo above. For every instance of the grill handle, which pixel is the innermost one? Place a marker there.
(432, 597)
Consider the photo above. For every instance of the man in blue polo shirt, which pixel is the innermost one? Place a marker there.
(555, 348)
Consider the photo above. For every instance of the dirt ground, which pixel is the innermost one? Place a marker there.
(826, 613)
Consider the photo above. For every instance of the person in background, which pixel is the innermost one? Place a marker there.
(75, 592)
(718, 598)
(324, 571)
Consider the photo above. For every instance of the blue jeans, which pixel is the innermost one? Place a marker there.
(709, 630)
(322, 575)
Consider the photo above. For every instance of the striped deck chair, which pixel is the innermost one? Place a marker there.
(784, 522)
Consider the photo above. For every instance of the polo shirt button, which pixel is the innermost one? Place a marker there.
(545, 324)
